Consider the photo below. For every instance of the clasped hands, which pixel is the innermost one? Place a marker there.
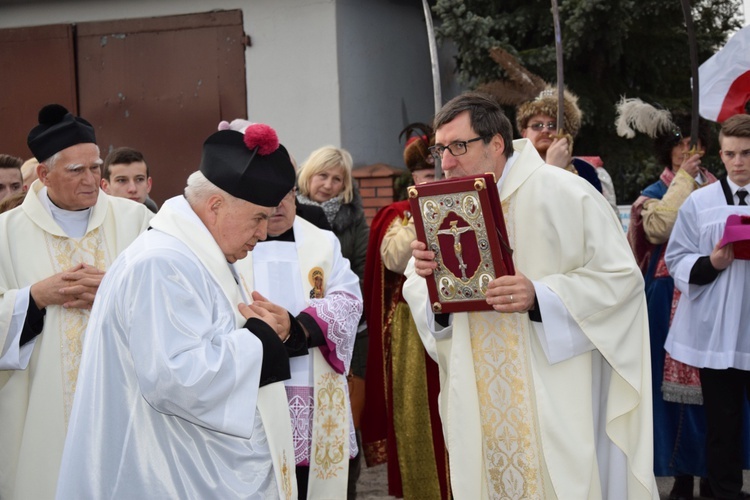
(272, 314)
(506, 294)
(73, 288)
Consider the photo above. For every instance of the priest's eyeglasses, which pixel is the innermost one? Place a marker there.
(539, 126)
(457, 148)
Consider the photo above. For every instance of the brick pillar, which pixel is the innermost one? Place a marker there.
(376, 186)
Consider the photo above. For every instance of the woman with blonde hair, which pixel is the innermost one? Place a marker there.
(325, 180)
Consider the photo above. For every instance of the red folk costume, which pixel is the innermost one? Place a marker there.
(400, 423)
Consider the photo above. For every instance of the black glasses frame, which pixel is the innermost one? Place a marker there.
(438, 149)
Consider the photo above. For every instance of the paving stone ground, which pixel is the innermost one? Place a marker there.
(373, 484)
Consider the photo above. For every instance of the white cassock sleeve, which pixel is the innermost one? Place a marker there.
(683, 249)
(559, 334)
(12, 355)
(190, 359)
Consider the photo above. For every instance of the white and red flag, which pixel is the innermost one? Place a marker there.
(725, 79)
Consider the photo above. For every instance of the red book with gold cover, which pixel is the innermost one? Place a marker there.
(461, 220)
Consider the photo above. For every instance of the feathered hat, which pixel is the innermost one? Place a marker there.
(634, 115)
(419, 137)
(666, 128)
(522, 85)
(530, 94)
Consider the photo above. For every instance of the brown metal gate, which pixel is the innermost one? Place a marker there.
(37, 67)
(159, 85)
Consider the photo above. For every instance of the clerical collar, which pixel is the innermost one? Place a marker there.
(508, 164)
(73, 222)
(286, 236)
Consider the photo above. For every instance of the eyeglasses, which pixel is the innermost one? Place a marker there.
(538, 127)
(457, 148)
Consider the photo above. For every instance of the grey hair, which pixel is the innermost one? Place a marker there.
(51, 161)
(199, 188)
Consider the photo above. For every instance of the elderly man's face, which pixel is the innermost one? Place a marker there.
(282, 217)
(238, 226)
(73, 181)
(11, 182)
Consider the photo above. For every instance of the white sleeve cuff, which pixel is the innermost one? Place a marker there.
(559, 334)
(13, 356)
(438, 331)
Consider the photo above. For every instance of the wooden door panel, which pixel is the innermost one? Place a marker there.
(37, 65)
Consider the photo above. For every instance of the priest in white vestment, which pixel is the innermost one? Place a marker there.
(55, 249)
(296, 260)
(181, 390)
(711, 327)
(548, 395)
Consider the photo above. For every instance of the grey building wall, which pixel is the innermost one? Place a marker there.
(385, 76)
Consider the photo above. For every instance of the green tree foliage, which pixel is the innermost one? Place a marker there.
(612, 48)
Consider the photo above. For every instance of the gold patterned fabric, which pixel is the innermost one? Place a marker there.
(500, 348)
(65, 253)
(416, 452)
(330, 452)
(512, 452)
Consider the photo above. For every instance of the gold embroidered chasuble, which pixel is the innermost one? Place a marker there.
(516, 425)
(35, 402)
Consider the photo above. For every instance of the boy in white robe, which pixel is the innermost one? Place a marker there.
(711, 327)
(181, 389)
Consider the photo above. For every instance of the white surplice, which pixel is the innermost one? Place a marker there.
(283, 274)
(168, 404)
(38, 380)
(711, 327)
(560, 409)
